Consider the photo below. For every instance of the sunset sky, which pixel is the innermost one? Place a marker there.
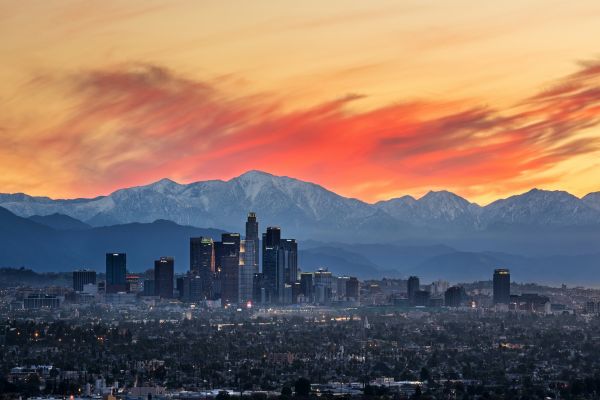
(371, 99)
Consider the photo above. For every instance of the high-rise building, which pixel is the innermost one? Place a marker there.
(164, 270)
(287, 267)
(501, 286)
(116, 269)
(83, 277)
(455, 296)
(252, 235)
(323, 282)
(202, 263)
(353, 289)
(307, 287)
(270, 255)
(248, 269)
(413, 286)
(230, 268)
(280, 263)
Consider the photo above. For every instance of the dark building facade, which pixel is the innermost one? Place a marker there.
(116, 269)
(307, 286)
(353, 288)
(270, 250)
(413, 286)
(501, 286)
(252, 235)
(202, 263)
(287, 267)
(230, 268)
(279, 264)
(455, 296)
(83, 277)
(421, 298)
(164, 271)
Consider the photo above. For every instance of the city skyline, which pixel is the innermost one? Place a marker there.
(370, 100)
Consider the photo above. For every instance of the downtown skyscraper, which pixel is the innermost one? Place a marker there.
(116, 269)
(202, 264)
(164, 273)
(280, 265)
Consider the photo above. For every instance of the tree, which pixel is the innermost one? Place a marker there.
(302, 387)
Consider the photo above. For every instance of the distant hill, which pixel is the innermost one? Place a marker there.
(25, 243)
(60, 222)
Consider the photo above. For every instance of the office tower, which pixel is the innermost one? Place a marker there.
(164, 269)
(353, 289)
(413, 286)
(340, 287)
(83, 277)
(455, 296)
(501, 286)
(323, 281)
(116, 269)
(290, 249)
(280, 263)
(252, 235)
(287, 266)
(202, 263)
(248, 269)
(306, 286)
(230, 268)
(270, 250)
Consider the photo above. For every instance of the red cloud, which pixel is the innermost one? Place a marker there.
(142, 123)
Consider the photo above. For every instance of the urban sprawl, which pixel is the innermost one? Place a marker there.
(227, 328)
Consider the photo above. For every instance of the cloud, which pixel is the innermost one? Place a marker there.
(136, 123)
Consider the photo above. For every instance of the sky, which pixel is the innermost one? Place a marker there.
(371, 99)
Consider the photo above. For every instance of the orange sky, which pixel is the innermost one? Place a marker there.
(370, 99)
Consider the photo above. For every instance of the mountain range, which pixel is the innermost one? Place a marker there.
(534, 222)
(549, 235)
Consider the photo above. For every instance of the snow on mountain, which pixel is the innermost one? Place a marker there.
(435, 208)
(308, 210)
(541, 208)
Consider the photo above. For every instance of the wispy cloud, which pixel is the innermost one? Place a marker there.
(136, 123)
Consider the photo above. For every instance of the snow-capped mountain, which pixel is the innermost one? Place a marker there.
(306, 210)
(541, 208)
(441, 208)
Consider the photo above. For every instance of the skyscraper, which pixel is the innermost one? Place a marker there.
(455, 296)
(501, 286)
(230, 268)
(270, 255)
(202, 263)
(306, 286)
(248, 269)
(287, 265)
(164, 270)
(413, 287)
(83, 277)
(116, 269)
(323, 282)
(252, 235)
